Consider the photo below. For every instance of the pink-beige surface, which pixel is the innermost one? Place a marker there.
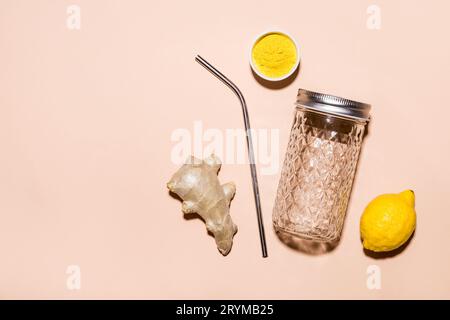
(86, 118)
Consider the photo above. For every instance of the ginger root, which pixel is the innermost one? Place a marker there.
(196, 183)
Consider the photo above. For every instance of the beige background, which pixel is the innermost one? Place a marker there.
(86, 118)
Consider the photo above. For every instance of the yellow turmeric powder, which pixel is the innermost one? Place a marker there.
(274, 55)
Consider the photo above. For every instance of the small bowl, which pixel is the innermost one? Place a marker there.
(294, 67)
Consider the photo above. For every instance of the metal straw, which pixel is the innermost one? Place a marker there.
(251, 155)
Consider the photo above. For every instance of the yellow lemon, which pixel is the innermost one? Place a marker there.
(388, 221)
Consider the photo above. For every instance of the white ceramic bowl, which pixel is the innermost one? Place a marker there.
(294, 67)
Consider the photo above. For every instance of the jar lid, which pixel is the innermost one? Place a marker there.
(333, 105)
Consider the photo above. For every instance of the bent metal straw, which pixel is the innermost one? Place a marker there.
(251, 155)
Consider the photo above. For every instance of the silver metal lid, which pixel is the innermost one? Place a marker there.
(333, 105)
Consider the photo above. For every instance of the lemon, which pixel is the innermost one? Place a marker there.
(388, 221)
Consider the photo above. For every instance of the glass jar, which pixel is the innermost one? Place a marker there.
(319, 166)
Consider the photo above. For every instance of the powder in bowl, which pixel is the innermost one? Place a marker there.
(274, 55)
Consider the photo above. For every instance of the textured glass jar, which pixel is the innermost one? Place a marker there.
(319, 166)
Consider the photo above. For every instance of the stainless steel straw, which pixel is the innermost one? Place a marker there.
(251, 155)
